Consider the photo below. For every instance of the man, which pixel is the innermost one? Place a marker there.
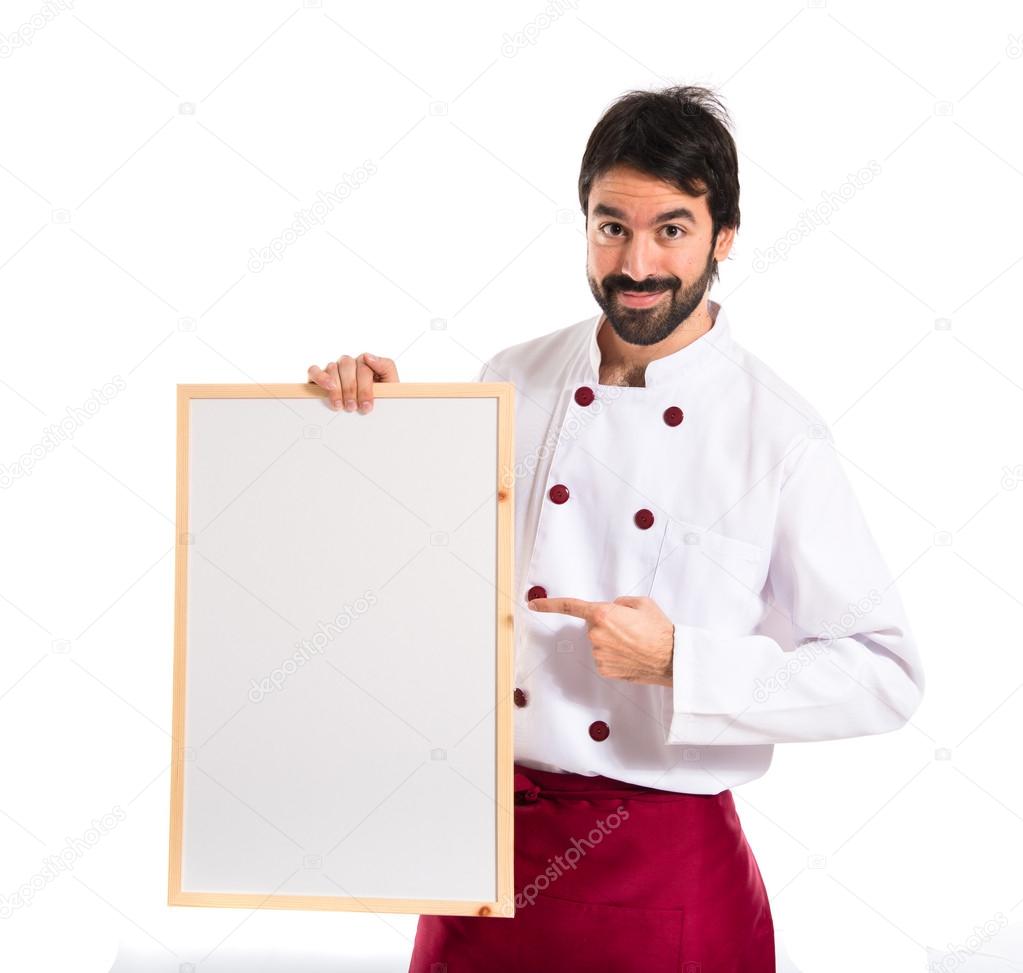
(700, 582)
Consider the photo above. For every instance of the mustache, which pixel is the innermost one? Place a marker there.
(647, 287)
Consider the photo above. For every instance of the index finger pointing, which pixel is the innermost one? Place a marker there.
(564, 606)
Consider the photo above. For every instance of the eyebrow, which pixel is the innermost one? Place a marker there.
(679, 213)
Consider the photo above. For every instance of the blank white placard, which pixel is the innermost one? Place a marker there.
(343, 650)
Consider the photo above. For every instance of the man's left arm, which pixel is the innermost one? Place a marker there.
(852, 668)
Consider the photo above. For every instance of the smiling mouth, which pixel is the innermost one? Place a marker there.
(641, 298)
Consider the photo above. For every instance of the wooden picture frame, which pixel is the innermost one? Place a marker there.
(391, 729)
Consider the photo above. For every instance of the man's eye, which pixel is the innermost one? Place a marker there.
(675, 236)
(603, 227)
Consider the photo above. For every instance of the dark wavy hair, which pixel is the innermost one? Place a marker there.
(679, 134)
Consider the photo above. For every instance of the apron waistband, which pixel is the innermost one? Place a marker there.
(531, 784)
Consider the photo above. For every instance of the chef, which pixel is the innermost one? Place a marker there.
(695, 579)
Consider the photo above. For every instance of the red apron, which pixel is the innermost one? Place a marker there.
(615, 877)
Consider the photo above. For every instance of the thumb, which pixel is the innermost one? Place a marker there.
(384, 369)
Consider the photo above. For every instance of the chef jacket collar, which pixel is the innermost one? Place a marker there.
(671, 368)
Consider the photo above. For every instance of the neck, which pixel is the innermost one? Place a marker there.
(622, 363)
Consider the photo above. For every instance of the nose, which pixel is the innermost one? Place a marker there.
(638, 259)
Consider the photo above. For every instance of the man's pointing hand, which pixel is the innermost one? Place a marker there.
(632, 638)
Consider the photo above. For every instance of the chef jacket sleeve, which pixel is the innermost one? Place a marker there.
(851, 667)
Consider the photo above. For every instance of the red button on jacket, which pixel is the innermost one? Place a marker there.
(520, 697)
(537, 591)
(673, 415)
(584, 395)
(644, 518)
(558, 493)
(599, 730)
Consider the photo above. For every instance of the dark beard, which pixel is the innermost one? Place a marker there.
(649, 325)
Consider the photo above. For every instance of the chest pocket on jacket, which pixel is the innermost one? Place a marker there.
(709, 579)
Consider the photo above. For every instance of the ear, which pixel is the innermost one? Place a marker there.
(726, 236)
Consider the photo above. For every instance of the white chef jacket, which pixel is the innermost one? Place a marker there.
(716, 491)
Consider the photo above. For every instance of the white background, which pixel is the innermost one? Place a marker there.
(147, 150)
